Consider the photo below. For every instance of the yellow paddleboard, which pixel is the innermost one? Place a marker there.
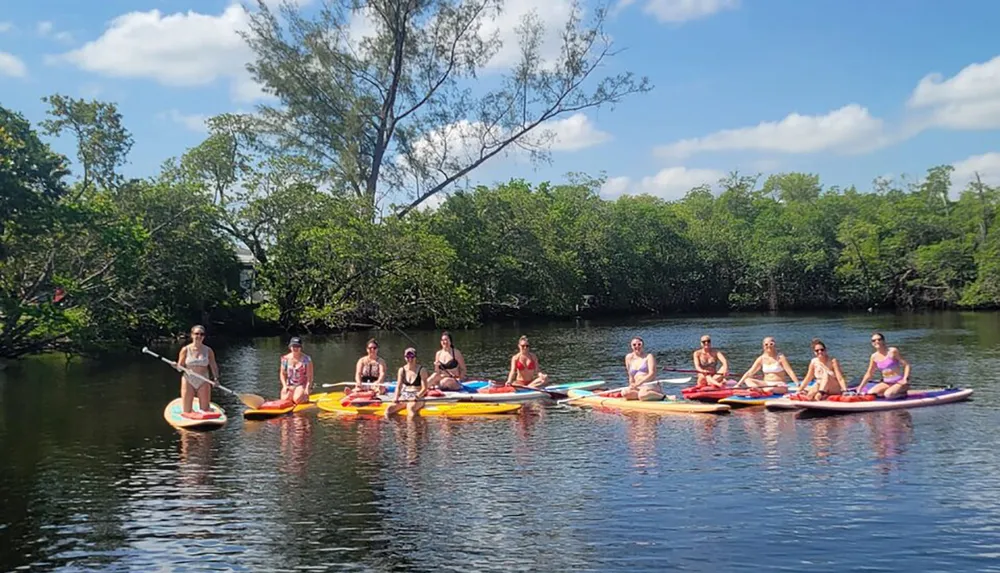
(429, 409)
(265, 413)
(172, 414)
(595, 401)
(305, 407)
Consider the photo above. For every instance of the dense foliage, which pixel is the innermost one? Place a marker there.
(102, 262)
(330, 192)
(90, 266)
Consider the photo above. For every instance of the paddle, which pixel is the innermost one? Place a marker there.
(683, 380)
(588, 394)
(251, 400)
(389, 402)
(613, 390)
(669, 369)
(550, 393)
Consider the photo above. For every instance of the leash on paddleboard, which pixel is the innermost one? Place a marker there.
(251, 400)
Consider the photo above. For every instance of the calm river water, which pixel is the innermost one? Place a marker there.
(94, 479)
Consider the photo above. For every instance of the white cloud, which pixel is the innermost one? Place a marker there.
(615, 186)
(432, 203)
(676, 11)
(848, 129)
(671, 183)
(552, 14)
(275, 4)
(986, 165)
(47, 29)
(969, 100)
(6, 27)
(574, 133)
(11, 65)
(180, 50)
(194, 122)
(461, 141)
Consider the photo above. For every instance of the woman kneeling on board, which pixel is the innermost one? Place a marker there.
(826, 370)
(641, 369)
(411, 386)
(524, 367)
(895, 370)
(296, 373)
(200, 359)
(774, 365)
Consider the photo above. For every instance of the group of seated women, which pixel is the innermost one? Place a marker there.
(823, 377)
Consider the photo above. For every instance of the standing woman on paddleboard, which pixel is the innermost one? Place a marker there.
(826, 370)
(449, 366)
(641, 369)
(895, 370)
(705, 360)
(296, 373)
(524, 367)
(775, 367)
(411, 386)
(200, 359)
(370, 369)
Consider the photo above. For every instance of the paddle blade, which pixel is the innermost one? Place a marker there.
(252, 400)
(678, 380)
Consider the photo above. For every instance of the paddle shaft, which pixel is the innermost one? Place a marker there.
(686, 371)
(550, 393)
(188, 371)
(606, 392)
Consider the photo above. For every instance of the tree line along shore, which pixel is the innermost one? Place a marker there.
(343, 206)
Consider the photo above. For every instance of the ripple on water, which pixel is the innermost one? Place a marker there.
(555, 488)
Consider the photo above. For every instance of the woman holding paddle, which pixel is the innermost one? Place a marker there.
(826, 370)
(370, 369)
(411, 386)
(449, 366)
(774, 366)
(524, 367)
(296, 373)
(894, 368)
(200, 359)
(705, 360)
(641, 369)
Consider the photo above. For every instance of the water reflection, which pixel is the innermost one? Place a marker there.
(887, 434)
(100, 482)
(765, 432)
(641, 432)
(296, 443)
(195, 459)
(412, 434)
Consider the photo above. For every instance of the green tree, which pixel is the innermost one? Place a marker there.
(331, 267)
(393, 113)
(103, 143)
(59, 253)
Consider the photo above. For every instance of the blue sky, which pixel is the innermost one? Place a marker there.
(850, 90)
